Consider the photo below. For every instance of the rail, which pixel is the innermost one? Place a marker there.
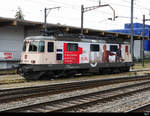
(77, 102)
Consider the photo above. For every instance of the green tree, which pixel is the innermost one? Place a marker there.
(19, 14)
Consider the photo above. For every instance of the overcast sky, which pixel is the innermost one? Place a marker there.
(70, 12)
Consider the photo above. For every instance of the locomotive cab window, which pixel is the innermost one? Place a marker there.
(113, 48)
(50, 47)
(94, 47)
(33, 46)
(72, 47)
(41, 46)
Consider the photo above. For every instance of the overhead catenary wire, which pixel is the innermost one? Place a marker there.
(66, 6)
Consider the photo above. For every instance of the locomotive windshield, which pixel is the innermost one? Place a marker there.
(35, 46)
(24, 46)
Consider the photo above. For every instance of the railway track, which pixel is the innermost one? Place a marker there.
(139, 70)
(82, 101)
(143, 108)
(12, 81)
(8, 95)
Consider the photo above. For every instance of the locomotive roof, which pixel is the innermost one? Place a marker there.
(40, 38)
(77, 38)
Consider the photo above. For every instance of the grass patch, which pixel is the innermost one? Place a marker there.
(138, 65)
(7, 72)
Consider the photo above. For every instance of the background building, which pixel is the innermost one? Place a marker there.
(13, 32)
(137, 30)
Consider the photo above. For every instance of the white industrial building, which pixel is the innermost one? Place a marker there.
(13, 32)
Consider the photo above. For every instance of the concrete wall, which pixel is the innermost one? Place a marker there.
(32, 32)
(11, 40)
(137, 48)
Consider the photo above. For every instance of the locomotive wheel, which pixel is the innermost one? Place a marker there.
(105, 71)
(115, 70)
(33, 76)
(127, 69)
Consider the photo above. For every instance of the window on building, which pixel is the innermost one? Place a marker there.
(72, 47)
(50, 47)
(94, 47)
(113, 48)
(33, 46)
(41, 46)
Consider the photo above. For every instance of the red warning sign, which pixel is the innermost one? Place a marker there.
(8, 55)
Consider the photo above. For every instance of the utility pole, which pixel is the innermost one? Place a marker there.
(82, 11)
(45, 17)
(142, 42)
(86, 9)
(131, 40)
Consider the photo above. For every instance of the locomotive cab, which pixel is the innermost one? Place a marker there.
(37, 51)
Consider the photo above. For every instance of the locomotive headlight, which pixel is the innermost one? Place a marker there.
(25, 57)
(33, 61)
